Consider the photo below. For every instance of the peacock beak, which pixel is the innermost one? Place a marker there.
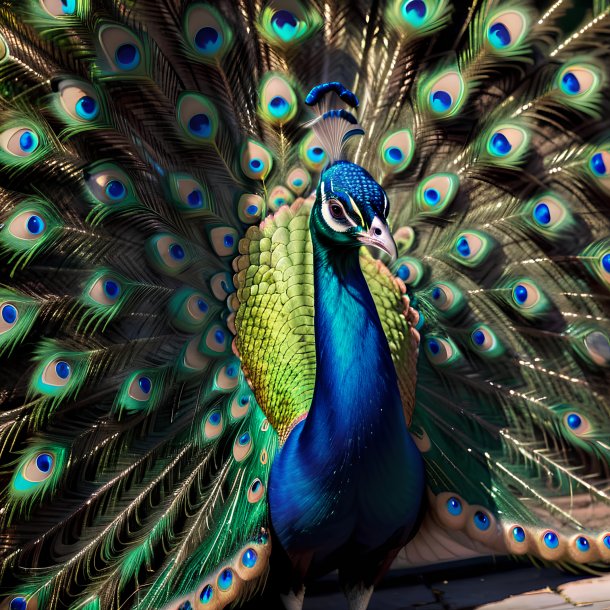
(379, 236)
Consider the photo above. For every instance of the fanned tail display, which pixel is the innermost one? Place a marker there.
(162, 166)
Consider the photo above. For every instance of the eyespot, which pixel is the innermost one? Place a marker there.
(576, 423)
(440, 351)
(206, 595)
(249, 558)
(207, 32)
(481, 520)
(285, 22)
(599, 165)
(242, 447)
(16, 603)
(57, 373)
(550, 539)
(250, 208)
(213, 425)
(578, 80)
(454, 506)
(217, 340)
(450, 510)
(436, 193)
(256, 491)
(256, 160)
(548, 214)
(198, 117)
(140, 388)
(526, 295)
(106, 290)
(298, 180)
(507, 143)
(168, 254)
(188, 193)
(397, 151)
(483, 339)
(278, 102)
(39, 468)
(109, 185)
(224, 240)
(446, 297)
(57, 8)
(471, 248)
(227, 377)
(121, 51)
(518, 534)
(506, 30)
(409, 270)
(312, 154)
(20, 141)
(221, 285)
(404, 238)
(240, 406)
(9, 316)
(445, 94)
(29, 225)
(79, 100)
(597, 345)
(278, 197)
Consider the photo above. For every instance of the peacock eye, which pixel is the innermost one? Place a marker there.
(336, 210)
(19, 141)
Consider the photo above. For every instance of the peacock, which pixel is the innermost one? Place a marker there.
(296, 286)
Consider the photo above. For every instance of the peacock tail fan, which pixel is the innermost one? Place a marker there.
(155, 181)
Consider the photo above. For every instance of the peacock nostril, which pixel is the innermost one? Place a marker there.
(377, 231)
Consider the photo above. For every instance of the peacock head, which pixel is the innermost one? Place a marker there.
(351, 210)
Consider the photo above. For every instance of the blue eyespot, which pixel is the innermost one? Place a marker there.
(112, 289)
(316, 154)
(9, 313)
(249, 558)
(285, 24)
(403, 272)
(432, 196)
(87, 108)
(551, 540)
(202, 305)
(62, 369)
(127, 56)
(582, 544)
(68, 7)
(440, 101)
(500, 146)
(219, 336)
(570, 84)
(414, 11)
(518, 534)
(35, 224)
(542, 214)
(244, 400)
(574, 421)
(244, 439)
(436, 293)
(478, 336)
(498, 35)
(176, 251)
(228, 240)
(606, 262)
(28, 141)
(297, 182)
(200, 125)
(205, 597)
(208, 40)
(252, 209)
(231, 371)
(185, 605)
(607, 541)
(393, 155)
(279, 107)
(481, 520)
(434, 346)
(255, 164)
(145, 384)
(520, 294)
(115, 190)
(463, 247)
(454, 506)
(225, 580)
(215, 418)
(18, 603)
(597, 164)
(44, 462)
(195, 198)
(255, 486)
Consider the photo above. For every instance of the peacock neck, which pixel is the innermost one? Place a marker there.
(355, 376)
